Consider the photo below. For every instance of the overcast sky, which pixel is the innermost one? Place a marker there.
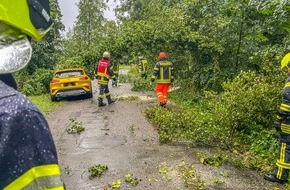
(69, 12)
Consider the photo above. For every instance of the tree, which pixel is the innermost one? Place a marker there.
(89, 24)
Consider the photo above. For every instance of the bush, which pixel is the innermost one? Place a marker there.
(140, 84)
(238, 118)
(35, 84)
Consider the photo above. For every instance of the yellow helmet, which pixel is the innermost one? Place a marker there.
(106, 54)
(18, 20)
(285, 61)
(29, 16)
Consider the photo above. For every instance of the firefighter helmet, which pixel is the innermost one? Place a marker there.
(285, 61)
(162, 55)
(30, 17)
(106, 54)
(19, 19)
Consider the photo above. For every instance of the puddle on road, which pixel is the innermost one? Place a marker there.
(102, 141)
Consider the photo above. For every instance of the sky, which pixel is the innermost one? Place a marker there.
(69, 12)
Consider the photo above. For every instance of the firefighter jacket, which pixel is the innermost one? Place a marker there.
(143, 65)
(104, 72)
(28, 157)
(116, 68)
(163, 72)
(284, 110)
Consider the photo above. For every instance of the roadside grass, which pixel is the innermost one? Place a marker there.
(44, 103)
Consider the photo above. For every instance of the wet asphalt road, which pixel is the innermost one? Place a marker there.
(120, 137)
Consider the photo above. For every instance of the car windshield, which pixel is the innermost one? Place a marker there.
(65, 74)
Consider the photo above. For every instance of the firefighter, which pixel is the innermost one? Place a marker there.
(163, 75)
(143, 64)
(28, 156)
(116, 69)
(282, 125)
(103, 73)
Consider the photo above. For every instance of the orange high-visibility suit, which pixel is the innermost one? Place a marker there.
(163, 75)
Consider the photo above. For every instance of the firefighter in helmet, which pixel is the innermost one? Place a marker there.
(116, 69)
(163, 74)
(28, 156)
(103, 73)
(282, 125)
(143, 67)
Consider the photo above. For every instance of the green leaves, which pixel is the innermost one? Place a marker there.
(97, 170)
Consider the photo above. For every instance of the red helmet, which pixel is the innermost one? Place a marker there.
(162, 55)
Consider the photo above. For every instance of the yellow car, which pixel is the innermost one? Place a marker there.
(70, 82)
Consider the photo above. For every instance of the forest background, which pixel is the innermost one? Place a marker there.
(226, 57)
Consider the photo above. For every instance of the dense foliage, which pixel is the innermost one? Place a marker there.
(226, 56)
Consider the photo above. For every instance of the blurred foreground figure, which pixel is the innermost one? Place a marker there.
(282, 125)
(28, 157)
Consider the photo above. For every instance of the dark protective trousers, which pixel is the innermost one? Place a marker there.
(281, 170)
(103, 92)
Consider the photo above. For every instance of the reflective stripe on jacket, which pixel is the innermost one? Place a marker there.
(143, 65)
(163, 72)
(28, 157)
(38, 177)
(104, 71)
(285, 105)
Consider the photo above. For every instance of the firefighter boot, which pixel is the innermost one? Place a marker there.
(272, 178)
(162, 104)
(110, 100)
(101, 103)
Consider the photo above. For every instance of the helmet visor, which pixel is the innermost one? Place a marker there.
(15, 49)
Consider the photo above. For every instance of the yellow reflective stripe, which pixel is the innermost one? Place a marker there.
(282, 165)
(102, 80)
(285, 128)
(103, 75)
(285, 107)
(47, 182)
(32, 174)
(165, 63)
(167, 81)
(102, 96)
(287, 85)
(57, 188)
(278, 117)
(282, 155)
(280, 162)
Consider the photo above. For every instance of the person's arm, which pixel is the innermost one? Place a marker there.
(27, 152)
(172, 74)
(155, 72)
(111, 72)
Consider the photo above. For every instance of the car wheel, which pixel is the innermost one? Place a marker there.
(90, 95)
(53, 98)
